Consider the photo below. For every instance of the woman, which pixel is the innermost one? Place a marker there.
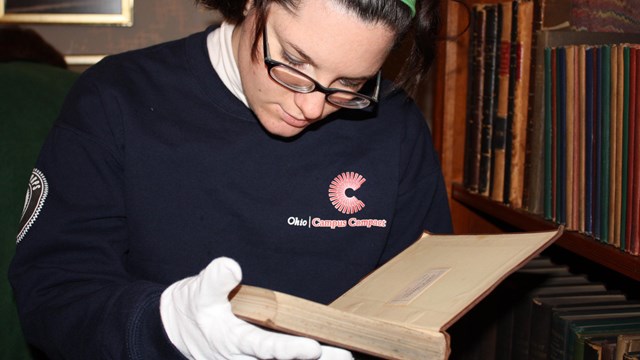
(272, 142)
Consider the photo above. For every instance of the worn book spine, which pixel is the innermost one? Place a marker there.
(614, 153)
(597, 208)
(561, 146)
(631, 168)
(635, 237)
(589, 140)
(513, 68)
(624, 195)
(580, 119)
(605, 167)
(502, 106)
(474, 125)
(521, 101)
(469, 179)
(548, 135)
(488, 98)
(569, 183)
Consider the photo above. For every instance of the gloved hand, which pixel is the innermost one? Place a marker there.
(197, 317)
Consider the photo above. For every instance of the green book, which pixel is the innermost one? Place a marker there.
(566, 328)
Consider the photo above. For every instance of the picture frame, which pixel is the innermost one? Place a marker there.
(99, 12)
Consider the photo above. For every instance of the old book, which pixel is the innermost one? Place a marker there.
(546, 306)
(600, 348)
(403, 309)
(569, 184)
(567, 327)
(498, 176)
(474, 103)
(626, 343)
(631, 169)
(492, 33)
(634, 245)
(521, 102)
(624, 134)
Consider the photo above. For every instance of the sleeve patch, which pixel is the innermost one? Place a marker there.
(33, 202)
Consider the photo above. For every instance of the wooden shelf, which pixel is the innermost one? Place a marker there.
(580, 244)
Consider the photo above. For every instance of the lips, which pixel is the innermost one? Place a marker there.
(293, 121)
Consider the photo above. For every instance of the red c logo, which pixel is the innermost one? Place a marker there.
(338, 192)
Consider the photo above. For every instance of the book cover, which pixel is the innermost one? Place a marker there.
(404, 308)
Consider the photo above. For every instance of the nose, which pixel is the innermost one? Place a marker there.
(311, 104)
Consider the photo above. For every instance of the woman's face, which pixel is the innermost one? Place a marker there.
(322, 40)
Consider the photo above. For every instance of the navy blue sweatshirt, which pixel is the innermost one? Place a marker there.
(154, 169)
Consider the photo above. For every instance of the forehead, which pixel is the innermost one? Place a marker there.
(332, 36)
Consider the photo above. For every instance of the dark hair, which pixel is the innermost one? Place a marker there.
(423, 27)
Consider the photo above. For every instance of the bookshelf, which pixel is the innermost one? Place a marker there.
(473, 213)
(595, 251)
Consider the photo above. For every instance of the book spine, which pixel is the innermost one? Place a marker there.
(500, 120)
(631, 168)
(624, 194)
(589, 141)
(471, 151)
(548, 134)
(474, 126)
(521, 102)
(488, 102)
(605, 167)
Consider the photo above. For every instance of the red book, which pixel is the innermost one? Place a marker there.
(635, 238)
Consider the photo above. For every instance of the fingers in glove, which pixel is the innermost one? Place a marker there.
(334, 353)
(218, 279)
(265, 344)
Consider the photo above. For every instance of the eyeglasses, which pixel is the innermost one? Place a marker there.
(298, 81)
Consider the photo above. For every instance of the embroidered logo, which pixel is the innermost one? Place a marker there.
(338, 192)
(33, 202)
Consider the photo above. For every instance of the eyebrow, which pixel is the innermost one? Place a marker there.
(306, 58)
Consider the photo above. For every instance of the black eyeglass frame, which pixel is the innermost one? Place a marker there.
(327, 91)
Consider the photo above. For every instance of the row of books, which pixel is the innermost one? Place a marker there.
(548, 311)
(591, 173)
(512, 153)
(498, 93)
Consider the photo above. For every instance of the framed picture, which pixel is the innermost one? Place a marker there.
(105, 12)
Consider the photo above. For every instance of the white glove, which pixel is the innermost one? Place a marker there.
(197, 317)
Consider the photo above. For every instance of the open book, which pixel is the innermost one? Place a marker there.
(404, 308)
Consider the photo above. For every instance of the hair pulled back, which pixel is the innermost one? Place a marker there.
(422, 28)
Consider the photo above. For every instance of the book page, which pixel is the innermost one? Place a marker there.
(440, 277)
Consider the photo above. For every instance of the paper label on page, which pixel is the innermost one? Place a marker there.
(416, 287)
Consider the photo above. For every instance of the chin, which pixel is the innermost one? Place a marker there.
(284, 131)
